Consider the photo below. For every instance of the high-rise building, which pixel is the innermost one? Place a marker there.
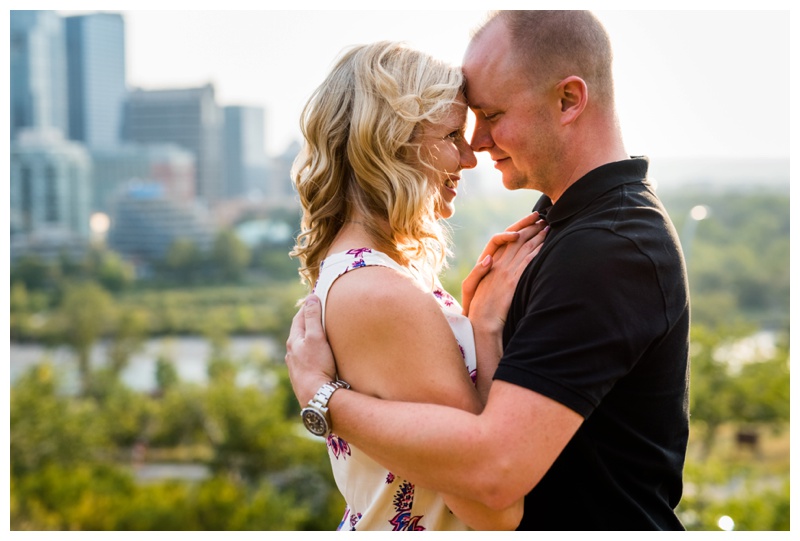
(145, 224)
(49, 185)
(280, 187)
(245, 157)
(188, 117)
(38, 71)
(164, 163)
(96, 88)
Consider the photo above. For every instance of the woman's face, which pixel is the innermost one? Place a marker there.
(446, 148)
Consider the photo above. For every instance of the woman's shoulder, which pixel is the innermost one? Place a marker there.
(364, 277)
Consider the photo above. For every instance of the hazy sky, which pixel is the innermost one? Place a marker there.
(689, 82)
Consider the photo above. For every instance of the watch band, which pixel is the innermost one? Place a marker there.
(323, 395)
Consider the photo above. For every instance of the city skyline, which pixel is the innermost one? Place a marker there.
(689, 83)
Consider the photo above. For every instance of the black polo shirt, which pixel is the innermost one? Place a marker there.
(600, 323)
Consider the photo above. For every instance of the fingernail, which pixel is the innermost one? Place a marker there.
(546, 228)
(486, 261)
(311, 300)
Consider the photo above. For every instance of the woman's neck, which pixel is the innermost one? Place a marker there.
(355, 233)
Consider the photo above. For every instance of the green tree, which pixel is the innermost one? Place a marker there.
(19, 310)
(230, 256)
(110, 270)
(761, 391)
(128, 337)
(710, 387)
(184, 260)
(82, 317)
(48, 427)
(34, 272)
(166, 374)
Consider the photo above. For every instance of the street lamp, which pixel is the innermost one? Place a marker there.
(697, 214)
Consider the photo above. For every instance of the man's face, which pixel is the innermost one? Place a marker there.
(515, 122)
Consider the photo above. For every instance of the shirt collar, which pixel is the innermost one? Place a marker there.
(590, 186)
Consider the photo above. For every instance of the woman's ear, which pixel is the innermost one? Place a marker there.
(573, 95)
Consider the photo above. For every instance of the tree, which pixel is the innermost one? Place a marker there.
(82, 317)
(110, 270)
(128, 338)
(166, 374)
(230, 256)
(184, 260)
(48, 427)
(33, 271)
(709, 398)
(761, 391)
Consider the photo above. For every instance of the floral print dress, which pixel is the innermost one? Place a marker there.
(376, 498)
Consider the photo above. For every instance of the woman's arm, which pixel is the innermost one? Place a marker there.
(494, 292)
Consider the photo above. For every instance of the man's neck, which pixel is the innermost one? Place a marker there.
(593, 154)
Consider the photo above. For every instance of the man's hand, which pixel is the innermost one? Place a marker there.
(308, 355)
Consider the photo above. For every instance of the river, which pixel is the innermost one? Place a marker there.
(190, 355)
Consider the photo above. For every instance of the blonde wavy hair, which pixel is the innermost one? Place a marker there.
(360, 156)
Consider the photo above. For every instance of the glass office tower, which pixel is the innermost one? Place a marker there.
(38, 72)
(96, 78)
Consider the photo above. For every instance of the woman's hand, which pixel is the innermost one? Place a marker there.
(484, 265)
(491, 294)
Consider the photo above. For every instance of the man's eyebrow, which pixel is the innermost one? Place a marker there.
(469, 102)
(473, 104)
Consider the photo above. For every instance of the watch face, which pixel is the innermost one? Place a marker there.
(314, 421)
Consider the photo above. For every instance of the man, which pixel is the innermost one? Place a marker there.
(587, 414)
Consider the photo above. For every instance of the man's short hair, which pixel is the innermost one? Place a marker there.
(553, 45)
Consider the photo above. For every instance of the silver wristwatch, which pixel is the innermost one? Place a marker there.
(316, 417)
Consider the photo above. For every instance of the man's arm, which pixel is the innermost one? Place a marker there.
(505, 450)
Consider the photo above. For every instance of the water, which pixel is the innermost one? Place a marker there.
(189, 354)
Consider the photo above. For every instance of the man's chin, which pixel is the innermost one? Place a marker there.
(512, 183)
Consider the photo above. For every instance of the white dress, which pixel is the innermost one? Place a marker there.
(376, 498)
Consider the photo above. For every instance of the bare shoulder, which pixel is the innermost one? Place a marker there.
(391, 339)
(373, 291)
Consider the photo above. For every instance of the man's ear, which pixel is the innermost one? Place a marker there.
(573, 95)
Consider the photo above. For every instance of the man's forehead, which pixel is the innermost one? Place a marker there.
(487, 56)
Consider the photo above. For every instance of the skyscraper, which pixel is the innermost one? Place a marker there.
(49, 185)
(145, 224)
(245, 158)
(188, 117)
(96, 86)
(38, 71)
(167, 164)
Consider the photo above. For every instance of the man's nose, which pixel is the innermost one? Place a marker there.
(481, 138)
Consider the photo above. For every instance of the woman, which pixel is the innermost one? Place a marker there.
(384, 150)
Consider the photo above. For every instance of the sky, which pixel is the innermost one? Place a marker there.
(690, 82)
